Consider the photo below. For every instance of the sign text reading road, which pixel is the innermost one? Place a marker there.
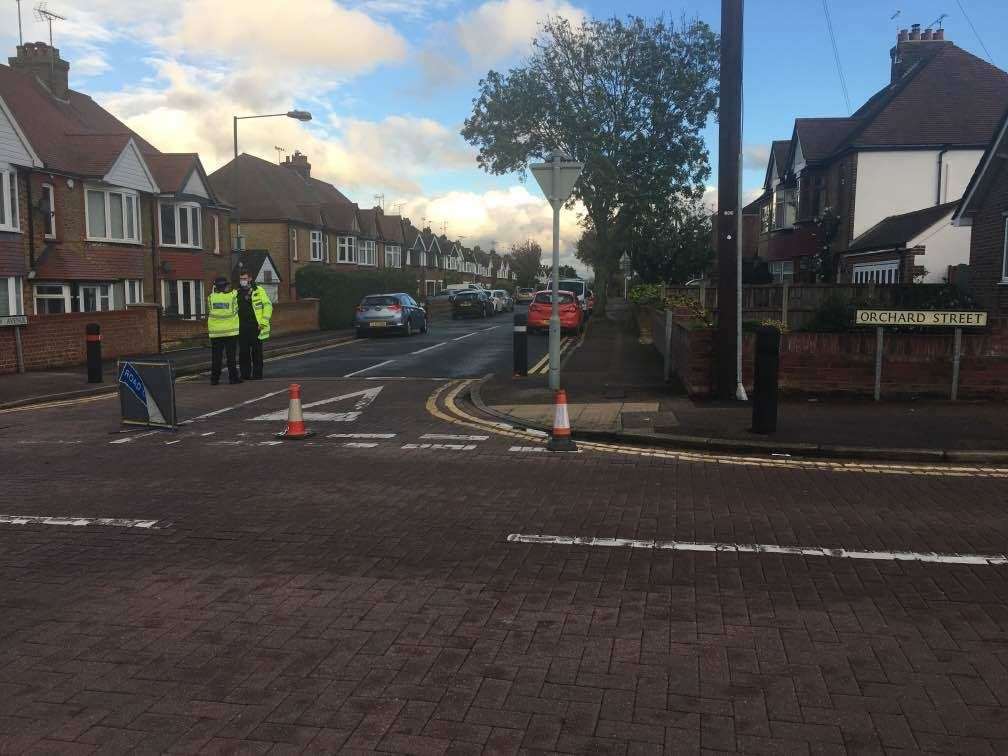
(920, 318)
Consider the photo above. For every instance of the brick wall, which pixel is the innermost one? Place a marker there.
(51, 341)
(288, 318)
(987, 246)
(844, 363)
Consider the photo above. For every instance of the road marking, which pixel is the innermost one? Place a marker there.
(270, 443)
(360, 445)
(112, 522)
(346, 342)
(451, 437)
(453, 447)
(992, 560)
(208, 433)
(233, 407)
(527, 449)
(361, 435)
(466, 336)
(427, 349)
(366, 397)
(176, 441)
(364, 370)
(543, 365)
(128, 439)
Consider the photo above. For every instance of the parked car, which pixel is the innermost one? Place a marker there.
(579, 288)
(524, 295)
(572, 317)
(383, 313)
(452, 289)
(504, 298)
(472, 304)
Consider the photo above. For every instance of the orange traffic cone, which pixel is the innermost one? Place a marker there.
(560, 440)
(295, 420)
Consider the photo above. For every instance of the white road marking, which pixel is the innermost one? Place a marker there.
(360, 444)
(208, 433)
(364, 370)
(233, 407)
(427, 349)
(453, 447)
(532, 449)
(762, 548)
(111, 522)
(270, 443)
(451, 437)
(131, 438)
(466, 336)
(366, 397)
(176, 441)
(361, 435)
(539, 433)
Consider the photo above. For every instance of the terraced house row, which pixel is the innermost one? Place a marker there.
(93, 217)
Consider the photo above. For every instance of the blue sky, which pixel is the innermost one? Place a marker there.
(391, 81)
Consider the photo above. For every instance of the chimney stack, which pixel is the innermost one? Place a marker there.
(926, 36)
(298, 162)
(939, 35)
(910, 49)
(44, 63)
(915, 32)
(903, 36)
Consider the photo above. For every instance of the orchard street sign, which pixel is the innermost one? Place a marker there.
(938, 318)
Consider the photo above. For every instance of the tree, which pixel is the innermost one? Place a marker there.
(668, 248)
(628, 99)
(526, 259)
(567, 271)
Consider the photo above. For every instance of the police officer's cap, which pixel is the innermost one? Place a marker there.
(221, 281)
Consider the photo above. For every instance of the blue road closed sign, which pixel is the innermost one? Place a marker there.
(147, 393)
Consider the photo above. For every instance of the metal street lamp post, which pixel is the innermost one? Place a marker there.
(626, 265)
(556, 177)
(297, 115)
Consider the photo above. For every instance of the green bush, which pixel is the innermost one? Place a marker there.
(646, 294)
(340, 291)
(832, 316)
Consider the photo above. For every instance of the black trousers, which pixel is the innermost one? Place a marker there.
(250, 355)
(218, 347)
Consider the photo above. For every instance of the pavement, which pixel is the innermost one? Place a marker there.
(615, 392)
(416, 578)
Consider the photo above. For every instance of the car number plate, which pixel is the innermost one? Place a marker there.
(378, 323)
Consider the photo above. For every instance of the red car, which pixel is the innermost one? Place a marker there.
(541, 308)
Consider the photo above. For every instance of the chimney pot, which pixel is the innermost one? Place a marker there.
(926, 36)
(44, 63)
(298, 162)
(915, 32)
(939, 34)
(904, 35)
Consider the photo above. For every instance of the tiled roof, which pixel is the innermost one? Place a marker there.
(820, 137)
(170, 170)
(991, 165)
(410, 233)
(390, 227)
(77, 135)
(262, 190)
(95, 264)
(252, 261)
(779, 150)
(898, 230)
(368, 222)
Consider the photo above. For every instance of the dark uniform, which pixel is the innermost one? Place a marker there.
(254, 314)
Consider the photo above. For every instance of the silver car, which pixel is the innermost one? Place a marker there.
(505, 303)
(385, 313)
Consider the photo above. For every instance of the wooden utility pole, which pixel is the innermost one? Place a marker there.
(729, 156)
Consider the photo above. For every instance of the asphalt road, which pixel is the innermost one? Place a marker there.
(413, 579)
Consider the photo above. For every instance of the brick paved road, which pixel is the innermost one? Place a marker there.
(324, 597)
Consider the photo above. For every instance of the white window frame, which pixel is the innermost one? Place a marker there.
(48, 190)
(15, 300)
(787, 199)
(133, 291)
(177, 207)
(294, 243)
(104, 298)
(216, 234)
(346, 249)
(782, 271)
(885, 272)
(65, 296)
(105, 235)
(197, 295)
(9, 200)
(367, 253)
(317, 246)
(1004, 254)
(393, 256)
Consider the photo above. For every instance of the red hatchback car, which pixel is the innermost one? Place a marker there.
(541, 307)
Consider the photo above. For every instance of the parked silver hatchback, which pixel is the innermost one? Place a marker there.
(383, 313)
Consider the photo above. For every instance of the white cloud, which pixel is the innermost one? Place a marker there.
(710, 196)
(755, 156)
(500, 29)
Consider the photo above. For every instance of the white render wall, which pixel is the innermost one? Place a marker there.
(944, 245)
(901, 181)
(12, 149)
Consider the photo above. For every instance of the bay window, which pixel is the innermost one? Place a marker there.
(112, 215)
(180, 225)
(393, 256)
(9, 217)
(367, 252)
(319, 246)
(346, 249)
(785, 208)
(133, 291)
(10, 296)
(183, 299)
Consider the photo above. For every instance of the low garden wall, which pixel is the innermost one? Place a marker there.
(288, 317)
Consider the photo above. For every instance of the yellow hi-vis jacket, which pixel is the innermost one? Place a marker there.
(222, 314)
(263, 309)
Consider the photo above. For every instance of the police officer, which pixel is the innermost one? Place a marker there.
(222, 325)
(254, 313)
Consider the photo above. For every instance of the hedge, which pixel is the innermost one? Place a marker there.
(340, 291)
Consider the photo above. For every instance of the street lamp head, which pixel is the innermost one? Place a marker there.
(559, 155)
(299, 115)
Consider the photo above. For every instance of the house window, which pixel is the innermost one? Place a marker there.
(134, 291)
(393, 257)
(820, 199)
(9, 220)
(112, 215)
(1004, 256)
(880, 272)
(49, 211)
(180, 225)
(785, 208)
(95, 297)
(346, 249)
(216, 234)
(423, 259)
(52, 299)
(294, 242)
(367, 253)
(10, 296)
(317, 246)
(183, 299)
(782, 271)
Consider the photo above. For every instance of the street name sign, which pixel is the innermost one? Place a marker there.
(937, 318)
(147, 393)
(13, 320)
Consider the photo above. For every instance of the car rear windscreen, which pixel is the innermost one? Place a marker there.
(467, 295)
(544, 297)
(577, 287)
(379, 301)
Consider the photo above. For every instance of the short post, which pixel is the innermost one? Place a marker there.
(765, 379)
(94, 361)
(878, 363)
(956, 354)
(520, 345)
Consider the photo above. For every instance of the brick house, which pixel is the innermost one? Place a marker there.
(984, 212)
(392, 240)
(912, 146)
(87, 203)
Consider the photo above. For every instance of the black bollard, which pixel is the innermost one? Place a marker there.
(764, 401)
(94, 363)
(520, 345)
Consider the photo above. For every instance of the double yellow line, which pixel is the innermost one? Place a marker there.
(541, 367)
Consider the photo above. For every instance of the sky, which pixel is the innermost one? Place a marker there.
(390, 82)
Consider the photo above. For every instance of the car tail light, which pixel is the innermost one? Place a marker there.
(395, 308)
(360, 308)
